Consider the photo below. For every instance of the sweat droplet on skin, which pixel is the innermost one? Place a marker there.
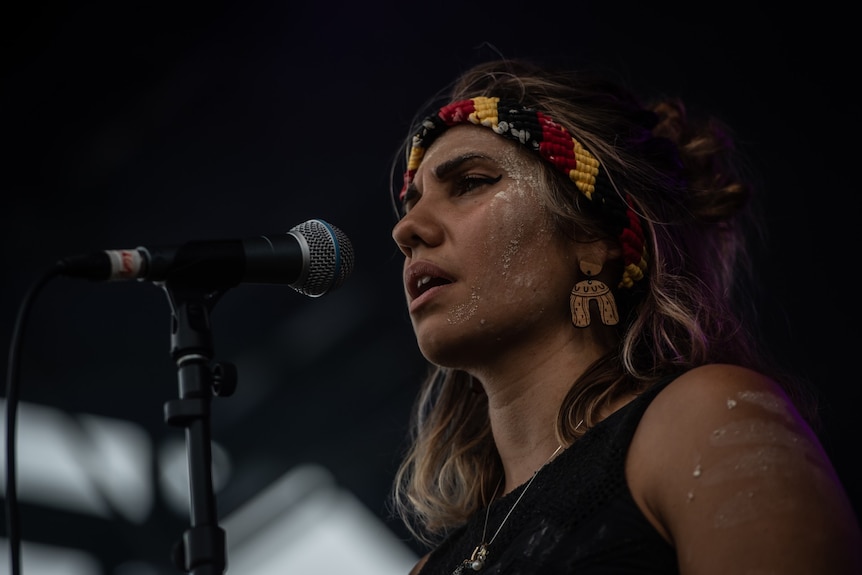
(698, 470)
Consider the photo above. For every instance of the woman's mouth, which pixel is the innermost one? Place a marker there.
(425, 283)
(422, 277)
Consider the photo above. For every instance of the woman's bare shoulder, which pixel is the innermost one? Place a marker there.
(736, 384)
(728, 471)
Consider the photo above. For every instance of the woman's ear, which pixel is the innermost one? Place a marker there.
(599, 251)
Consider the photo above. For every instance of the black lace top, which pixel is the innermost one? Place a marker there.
(578, 517)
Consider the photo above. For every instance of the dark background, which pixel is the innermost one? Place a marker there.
(137, 123)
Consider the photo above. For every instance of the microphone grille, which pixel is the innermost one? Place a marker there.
(330, 257)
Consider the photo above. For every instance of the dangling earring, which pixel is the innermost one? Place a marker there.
(592, 289)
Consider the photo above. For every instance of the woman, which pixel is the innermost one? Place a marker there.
(595, 404)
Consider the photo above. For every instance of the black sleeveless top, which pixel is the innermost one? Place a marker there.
(578, 517)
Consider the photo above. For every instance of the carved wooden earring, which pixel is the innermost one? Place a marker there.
(588, 290)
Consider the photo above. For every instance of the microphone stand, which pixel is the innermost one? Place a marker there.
(203, 547)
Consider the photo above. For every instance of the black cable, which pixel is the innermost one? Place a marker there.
(12, 385)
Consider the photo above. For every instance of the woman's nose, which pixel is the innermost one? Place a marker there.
(418, 227)
(404, 235)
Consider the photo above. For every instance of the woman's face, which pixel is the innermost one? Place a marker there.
(484, 267)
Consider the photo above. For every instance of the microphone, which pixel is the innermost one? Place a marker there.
(313, 258)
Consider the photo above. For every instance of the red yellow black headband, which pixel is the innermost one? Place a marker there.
(553, 142)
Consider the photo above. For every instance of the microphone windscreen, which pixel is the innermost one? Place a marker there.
(330, 257)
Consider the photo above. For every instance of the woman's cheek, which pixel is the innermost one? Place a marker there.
(505, 231)
(518, 242)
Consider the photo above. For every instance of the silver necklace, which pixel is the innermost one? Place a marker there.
(477, 559)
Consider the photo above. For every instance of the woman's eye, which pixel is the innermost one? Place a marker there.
(469, 183)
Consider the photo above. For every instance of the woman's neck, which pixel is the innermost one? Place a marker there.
(524, 399)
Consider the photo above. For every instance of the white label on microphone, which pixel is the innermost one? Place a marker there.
(125, 264)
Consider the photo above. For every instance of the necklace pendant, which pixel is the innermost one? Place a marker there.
(476, 562)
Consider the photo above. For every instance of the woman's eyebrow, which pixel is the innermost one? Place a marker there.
(444, 169)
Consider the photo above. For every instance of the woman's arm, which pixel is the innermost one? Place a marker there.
(728, 472)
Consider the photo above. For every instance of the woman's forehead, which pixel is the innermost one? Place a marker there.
(467, 138)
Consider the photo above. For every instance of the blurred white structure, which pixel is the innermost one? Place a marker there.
(305, 523)
(302, 523)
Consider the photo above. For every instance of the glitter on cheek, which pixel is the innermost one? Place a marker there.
(512, 230)
(505, 217)
(518, 211)
(464, 311)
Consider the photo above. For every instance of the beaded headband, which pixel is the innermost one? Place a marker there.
(552, 141)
